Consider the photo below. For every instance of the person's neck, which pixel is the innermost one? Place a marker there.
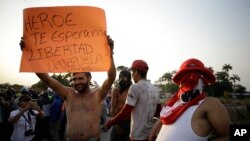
(124, 89)
(87, 91)
(141, 79)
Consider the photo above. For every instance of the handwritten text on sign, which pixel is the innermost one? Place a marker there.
(65, 39)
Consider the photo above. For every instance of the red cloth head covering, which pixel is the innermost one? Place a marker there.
(196, 66)
(187, 78)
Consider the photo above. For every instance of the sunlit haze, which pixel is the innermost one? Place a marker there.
(164, 33)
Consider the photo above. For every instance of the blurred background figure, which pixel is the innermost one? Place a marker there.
(6, 128)
(23, 91)
(55, 114)
(24, 119)
(119, 94)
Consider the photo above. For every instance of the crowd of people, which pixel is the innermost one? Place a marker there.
(29, 115)
(136, 112)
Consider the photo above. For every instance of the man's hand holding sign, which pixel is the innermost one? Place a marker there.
(71, 39)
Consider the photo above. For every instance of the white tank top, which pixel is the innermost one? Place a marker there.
(181, 129)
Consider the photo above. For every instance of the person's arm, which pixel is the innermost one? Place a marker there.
(215, 111)
(59, 89)
(155, 130)
(124, 114)
(48, 80)
(114, 103)
(158, 110)
(111, 73)
(40, 113)
(16, 117)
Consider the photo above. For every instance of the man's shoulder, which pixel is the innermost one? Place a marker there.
(116, 91)
(135, 86)
(212, 100)
(211, 103)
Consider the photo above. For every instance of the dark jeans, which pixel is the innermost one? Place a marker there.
(120, 132)
(42, 129)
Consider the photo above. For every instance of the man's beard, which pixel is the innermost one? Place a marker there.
(81, 87)
(124, 84)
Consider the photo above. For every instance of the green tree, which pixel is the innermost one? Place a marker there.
(16, 87)
(62, 78)
(224, 82)
(166, 77)
(239, 89)
(39, 86)
(227, 67)
(234, 78)
(166, 84)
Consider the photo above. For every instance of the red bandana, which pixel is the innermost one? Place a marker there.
(176, 112)
(171, 112)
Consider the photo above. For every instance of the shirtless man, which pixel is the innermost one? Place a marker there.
(189, 115)
(119, 94)
(83, 106)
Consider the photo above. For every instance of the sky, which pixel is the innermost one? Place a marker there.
(164, 33)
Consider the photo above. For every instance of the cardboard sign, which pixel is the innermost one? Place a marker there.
(65, 39)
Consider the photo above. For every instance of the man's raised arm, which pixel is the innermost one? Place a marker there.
(106, 86)
(55, 85)
(60, 90)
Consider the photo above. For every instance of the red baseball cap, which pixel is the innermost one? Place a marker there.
(139, 65)
(194, 65)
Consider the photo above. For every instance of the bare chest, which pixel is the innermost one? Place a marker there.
(83, 104)
(83, 116)
(122, 96)
(121, 99)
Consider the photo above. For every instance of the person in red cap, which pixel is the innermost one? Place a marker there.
(142, 104)
(189, 115)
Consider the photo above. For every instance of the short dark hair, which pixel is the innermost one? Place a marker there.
(125, 73)
(87, 73)
(24, 97)
(143, 74)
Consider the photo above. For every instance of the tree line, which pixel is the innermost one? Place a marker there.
(225, 83)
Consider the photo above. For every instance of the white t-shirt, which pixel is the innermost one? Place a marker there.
(144, 97)
(21, 124)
